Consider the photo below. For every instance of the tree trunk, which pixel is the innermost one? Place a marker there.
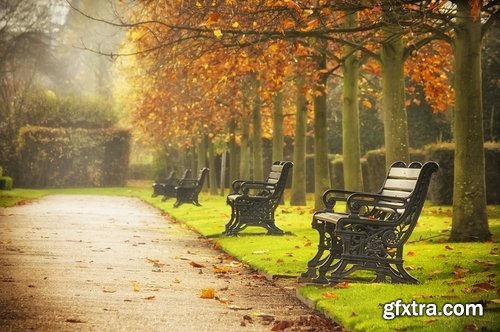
(351, 152)
(298, 192)
(321, 161)
(192, 164)
(393, 96)
(258, 172)
(245, 150)
(202, 159)
(234, 166)
(211, 165)
(470, 221)
(278, 140)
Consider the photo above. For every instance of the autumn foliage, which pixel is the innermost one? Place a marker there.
(189, 75)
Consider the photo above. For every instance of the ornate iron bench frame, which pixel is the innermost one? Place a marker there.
(188, 190)
(371, 235)
(253, 203)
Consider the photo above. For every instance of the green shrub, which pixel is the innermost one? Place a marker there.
(441, 187)
(6, 183)
(59, 157)
(337, 173)
(376, 169)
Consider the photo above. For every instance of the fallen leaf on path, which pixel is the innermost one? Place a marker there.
(194, 264)
(237, 307)
(217, 269)
(107, 290)
(207, 293)
(136, 287)
(282, 325)
(152, 297)
(74, 320)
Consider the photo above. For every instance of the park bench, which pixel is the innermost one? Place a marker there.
(166, 187)
(159, 185)
(169, 187)
(253, 202)
(187, 190)
(371, 234)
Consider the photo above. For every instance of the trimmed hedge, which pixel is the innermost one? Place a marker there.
(66, 157)
(6, 183)
(441, 187)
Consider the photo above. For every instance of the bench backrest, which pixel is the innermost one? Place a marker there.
(202, 178)
(410, 182)
(278, 176)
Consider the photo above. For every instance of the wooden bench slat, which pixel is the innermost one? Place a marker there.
(400, 184)
(404, 173)
(395, 193)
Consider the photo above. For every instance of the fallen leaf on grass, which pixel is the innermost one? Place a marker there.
(470, 327)
(430, 321)
(342, 284)
(207, 293)
(410, 253)
(483, 286)
(485, 263)
(449, 248)
(308, 244)
(457, 281)
(194, 264)
(329, 295)
(260, 252)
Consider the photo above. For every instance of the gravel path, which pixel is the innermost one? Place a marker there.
(100, 263)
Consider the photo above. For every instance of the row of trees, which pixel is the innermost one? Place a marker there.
(236, 71)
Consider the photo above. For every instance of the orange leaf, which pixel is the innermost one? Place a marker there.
(207, 293)
(343, 284)
(194, 264)
(410, 253)
(329, 295)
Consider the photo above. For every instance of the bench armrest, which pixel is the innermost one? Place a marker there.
(332, 196)
(358, 200)
(236, 186)
(262, 185)
(187, 183)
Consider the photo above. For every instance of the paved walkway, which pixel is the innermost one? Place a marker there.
(100, 263)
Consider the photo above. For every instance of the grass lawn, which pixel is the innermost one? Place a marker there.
(447, 272)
